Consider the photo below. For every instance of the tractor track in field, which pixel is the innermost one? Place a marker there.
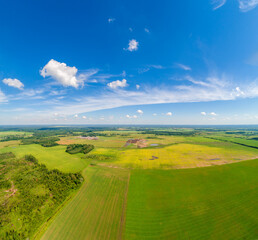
(123, 216)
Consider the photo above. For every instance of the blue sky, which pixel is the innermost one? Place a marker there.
(129, 62)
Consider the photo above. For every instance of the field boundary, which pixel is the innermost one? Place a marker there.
(42, 229)
(123, 216)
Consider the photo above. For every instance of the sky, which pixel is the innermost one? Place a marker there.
(128, 62)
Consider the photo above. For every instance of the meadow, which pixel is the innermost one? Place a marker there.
(52, 157)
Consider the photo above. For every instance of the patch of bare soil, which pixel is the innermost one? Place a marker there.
(153, 158)
(11, 192)
(140, 143)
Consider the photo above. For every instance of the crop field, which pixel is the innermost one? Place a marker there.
(97, 211)
(13, 143)
(184, 156)
(52, 157)
(219, 202)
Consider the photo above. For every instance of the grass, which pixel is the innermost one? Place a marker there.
(218, 202)
(185, 155)
(96, 212)
(52, 157)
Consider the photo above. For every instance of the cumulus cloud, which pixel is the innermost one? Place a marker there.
(134, 116)
(154, 114)
(76, 116)
(203, 113)
(84, 117)
(137, 86)
(133, 45)
(117, 84)
(62, 73)
(128, 116)
(184, 67)
(169, 113)
(247, 5)
(213, 114)
(218, 4)
(13, 82)
(140, 111)
(110, 20)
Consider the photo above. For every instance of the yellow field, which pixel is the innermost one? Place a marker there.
(182, 156)
(9, 143)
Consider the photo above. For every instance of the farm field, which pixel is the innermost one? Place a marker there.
(189, 186)
(97, 211)
(52, 157)
(218, 202)
(184, 156)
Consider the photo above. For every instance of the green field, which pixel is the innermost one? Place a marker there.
(52, 157)
(182, 187)
(97, 211)
(204, 203)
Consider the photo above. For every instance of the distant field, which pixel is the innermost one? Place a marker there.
(108, 142)
(9, 143)
(184, 155)
(8, 133)
(52, 157)
(96, 212)
(248, 142)
(218, 202)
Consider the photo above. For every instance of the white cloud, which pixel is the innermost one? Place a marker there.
(149, 67)
(62, 73)
(184, 67)
(169, 113)
(84, 117)
(2, 97)
(154, 114)
(239, 92)
(203, 113)
(118, 84)
(140, 111)
(13, 82)
(130, 29)
(137, 86)
(76, 116)
(146, 30)
(199, 90)
(128, 116)
(110, 20)
(213, 114)
(133, 45)
(218, 4)
(247, 5)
